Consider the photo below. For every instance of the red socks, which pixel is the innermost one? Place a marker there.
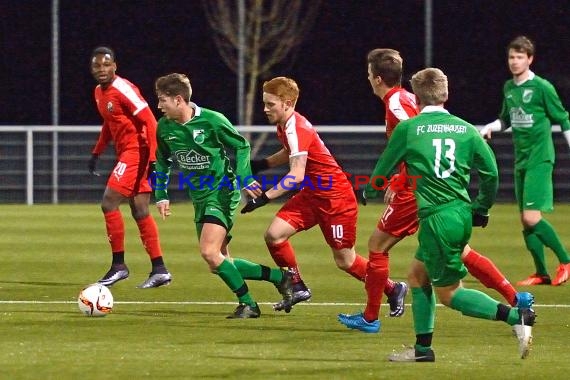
(376, 278)
(389, 287)
(358, 268)
(489, 275)
(284, 256)
(115, 230)
(149, 236)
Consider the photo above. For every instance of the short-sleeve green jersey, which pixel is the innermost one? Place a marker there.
(439, 151)
(199, 147)
(530, 108)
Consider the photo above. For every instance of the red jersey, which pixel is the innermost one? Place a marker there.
(400, 105)
(127, 119)
(298, 137)
(400, 217)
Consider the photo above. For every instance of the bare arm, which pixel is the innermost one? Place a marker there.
(295, 175)
(277, 159)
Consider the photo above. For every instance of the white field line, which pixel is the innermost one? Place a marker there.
(32, 302)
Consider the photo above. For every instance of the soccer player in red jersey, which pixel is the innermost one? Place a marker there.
(129, 122)
(400, 219)
(326, 197)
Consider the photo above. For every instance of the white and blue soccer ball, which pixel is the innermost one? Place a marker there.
(95, 300)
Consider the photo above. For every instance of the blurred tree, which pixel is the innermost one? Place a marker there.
(252, 36)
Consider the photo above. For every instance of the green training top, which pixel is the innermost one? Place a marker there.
(439, 150)
(530, 108)
(199, 147)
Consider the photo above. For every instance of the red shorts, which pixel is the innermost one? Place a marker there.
(400, 218)
(129, 177)
(336, 217)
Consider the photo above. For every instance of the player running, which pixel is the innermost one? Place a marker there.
(326, 198)
(400, 216)
(198, 139)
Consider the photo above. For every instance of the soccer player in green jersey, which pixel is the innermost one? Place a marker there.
(440, 149)
(197, 139)
(530, 105)
(399, 219)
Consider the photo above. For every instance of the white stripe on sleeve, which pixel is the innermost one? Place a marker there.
(396, 107)
(125, 89)
(292, 137)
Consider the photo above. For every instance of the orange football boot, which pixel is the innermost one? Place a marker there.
(562, 274)
(535, 279)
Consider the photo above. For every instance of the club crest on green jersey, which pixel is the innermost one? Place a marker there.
(527, 95)
(198, 135)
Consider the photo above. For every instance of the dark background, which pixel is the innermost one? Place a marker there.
(152, 38)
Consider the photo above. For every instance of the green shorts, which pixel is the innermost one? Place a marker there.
(221, 204)
(533, 188)
(442, 237)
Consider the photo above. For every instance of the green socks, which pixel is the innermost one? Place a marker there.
(536, 248)
(234, 280)
(474, 303)
(423, 309)
(549, 238)
(253, 271)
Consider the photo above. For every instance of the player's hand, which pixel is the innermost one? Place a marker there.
(260, 201)
(91, 165)
(361, 196)
(163, 207)
(259, 165)
(369, 193)
(480, 220)
(486, 131)
(253, 190)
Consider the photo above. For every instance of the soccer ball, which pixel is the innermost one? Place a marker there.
(95, 300)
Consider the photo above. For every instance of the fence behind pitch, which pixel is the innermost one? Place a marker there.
(46, 164)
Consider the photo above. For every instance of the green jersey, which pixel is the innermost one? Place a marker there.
(199, 148)
(439, 150)
(530, 108)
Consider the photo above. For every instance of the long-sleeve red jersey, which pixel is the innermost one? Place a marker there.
(127, 119)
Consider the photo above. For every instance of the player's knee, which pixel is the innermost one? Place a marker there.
(417, 275)
(445, 293)
(530, 220)
(342, 264)
(344, 258)
(375, 247)
(139, 214)
(108, 207)
(210, 257)
(445, 300)
(272, 239)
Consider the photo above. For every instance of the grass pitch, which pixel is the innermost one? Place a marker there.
(180, 332)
